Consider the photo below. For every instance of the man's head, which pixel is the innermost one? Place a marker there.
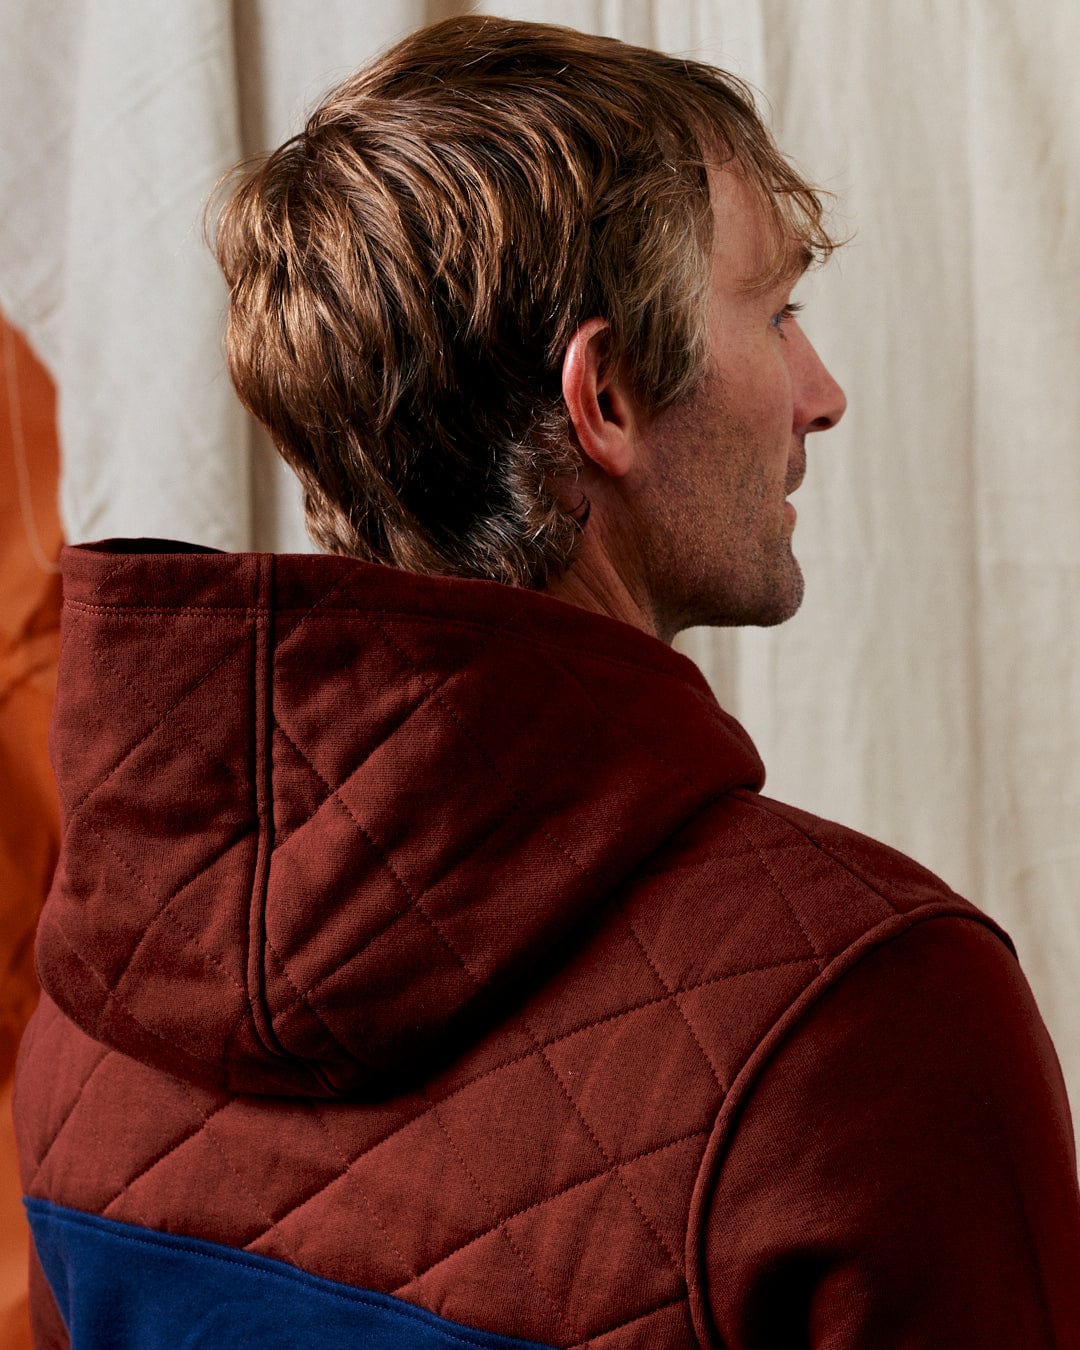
(412, 276)
(691, 523)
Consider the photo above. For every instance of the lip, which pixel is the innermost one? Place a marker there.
(796, 469)
(794, 483)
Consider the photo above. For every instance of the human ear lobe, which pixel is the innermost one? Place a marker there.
(600, 410)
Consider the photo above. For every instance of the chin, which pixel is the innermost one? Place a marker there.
(773, 618)
(767, 613)
(763, 598)
(786, 602)
(776, 598)
(780, 594)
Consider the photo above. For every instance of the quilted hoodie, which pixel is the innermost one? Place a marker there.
(433, 938)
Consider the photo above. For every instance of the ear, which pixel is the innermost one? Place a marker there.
(601, 409)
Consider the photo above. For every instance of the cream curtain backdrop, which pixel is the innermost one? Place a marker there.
(929, 690)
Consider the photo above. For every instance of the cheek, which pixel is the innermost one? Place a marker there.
(767, 366)
(765, 396)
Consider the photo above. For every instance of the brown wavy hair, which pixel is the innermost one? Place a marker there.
(406, 273)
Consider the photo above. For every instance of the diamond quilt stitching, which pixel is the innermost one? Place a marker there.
(111, 999)
(592, 1339)
(812, 946)
(165, 902)
(159, 1158)
(415, 902)
(590, 1180)
(83, 1086)
(469, 1082)
(399, 1128)
(577, 1030)
(171, 714)
(645, 955)
(283, 833)
(606, 1163)
(301, 999)
(334, 793)
(69, 626)
(512, 792)
(344, 1166)
(413, 899)
(411, 712)
(672, 991)
(207, 1130)
(285, 639)
(105, 777)
(833, 850)
(612, 1167)
(116, 568)
(501, 1229)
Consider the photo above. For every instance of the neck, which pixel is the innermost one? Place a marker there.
(599, 581)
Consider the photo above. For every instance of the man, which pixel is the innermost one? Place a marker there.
(424, 966)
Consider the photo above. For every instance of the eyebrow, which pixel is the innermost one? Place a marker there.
(802, 259)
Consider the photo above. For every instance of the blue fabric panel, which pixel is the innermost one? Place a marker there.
(119, 1287)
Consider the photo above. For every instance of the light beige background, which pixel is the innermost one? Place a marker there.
(929, 690)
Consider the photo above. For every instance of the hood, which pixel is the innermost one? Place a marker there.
(319, 815)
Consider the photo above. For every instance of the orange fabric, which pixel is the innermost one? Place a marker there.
(29, 827)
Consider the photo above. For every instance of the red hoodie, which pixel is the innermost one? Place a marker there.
(427, 944)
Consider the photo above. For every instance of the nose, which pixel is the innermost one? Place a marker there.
(819, 400)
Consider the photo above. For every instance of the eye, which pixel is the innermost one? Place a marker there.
(788, 312)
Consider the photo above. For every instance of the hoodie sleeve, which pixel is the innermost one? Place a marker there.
(903, 1174)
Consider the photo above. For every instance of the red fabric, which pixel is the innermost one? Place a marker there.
(932, 1202)
(434, 936)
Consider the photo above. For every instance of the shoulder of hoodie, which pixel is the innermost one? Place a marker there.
(836, 894)
(776, 905)
(785, 903)
(856, 887)
(931, 949)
